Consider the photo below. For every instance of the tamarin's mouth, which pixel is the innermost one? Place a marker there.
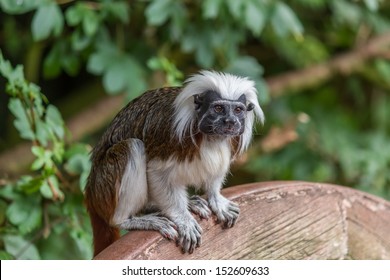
(229, 130)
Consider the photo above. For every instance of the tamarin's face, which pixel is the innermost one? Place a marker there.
(218, 116)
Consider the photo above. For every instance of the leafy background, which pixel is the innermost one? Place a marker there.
(321, 68)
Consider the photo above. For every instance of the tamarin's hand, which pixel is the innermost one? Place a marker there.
(159, 144)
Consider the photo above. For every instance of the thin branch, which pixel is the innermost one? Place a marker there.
(343, 64)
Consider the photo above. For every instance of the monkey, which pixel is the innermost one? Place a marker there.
(161, 143)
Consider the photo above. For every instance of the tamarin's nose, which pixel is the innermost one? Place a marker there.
(230, 120)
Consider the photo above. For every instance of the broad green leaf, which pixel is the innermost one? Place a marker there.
(33, 222)
(255, 16)
(211, 8)
(100, 61)
(246, 66)
(47, 20)
(158, 11)
(76, 149)
(8, 192)
(54, 120)
(372, 5)
(71, 64)
(52, 62)
(78, 163)
(38, 151)
(347, 12)
(19, 7)
(18, 211)
(114, 80)
(5, 255)
(90, 22)
(22, 121)
(236, 8)
(42, 132)
(31, 185)
(74, 14)
(80, 41)
(20, 248)
(120, 10)
(44, 158)
(285, 21)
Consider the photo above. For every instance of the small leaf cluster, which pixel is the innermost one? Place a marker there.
(34, 205)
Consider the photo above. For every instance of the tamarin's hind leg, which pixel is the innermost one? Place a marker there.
(133, 196)
(199, 206)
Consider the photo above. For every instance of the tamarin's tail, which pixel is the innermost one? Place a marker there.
(103, 234)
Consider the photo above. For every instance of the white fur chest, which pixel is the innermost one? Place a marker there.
(213, 163)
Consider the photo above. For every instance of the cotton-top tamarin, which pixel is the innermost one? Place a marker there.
(159, 144)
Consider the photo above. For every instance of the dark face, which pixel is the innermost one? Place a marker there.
(218, 116)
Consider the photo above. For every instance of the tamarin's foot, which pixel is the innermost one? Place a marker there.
(199, 206)
(190, 234)
(154, 221)
(226, 211)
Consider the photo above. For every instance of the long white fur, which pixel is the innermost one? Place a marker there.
(133, 191)
(229, 87)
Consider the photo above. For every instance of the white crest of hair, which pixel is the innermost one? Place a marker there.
(229, 87)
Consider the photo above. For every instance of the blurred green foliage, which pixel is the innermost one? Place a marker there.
(340, 128)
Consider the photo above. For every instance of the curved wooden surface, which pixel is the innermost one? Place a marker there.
(281, 220)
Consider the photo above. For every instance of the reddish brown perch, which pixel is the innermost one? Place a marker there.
(281, 220)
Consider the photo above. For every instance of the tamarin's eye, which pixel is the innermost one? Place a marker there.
(218, 108)
(237, 110)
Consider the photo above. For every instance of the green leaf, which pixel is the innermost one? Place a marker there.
(101, 60)
(346, 12)
(284, 20)
(47, 20)
(255, 16)
(78, 163)
(8, 192)
(33, 222)
(211, 8)
(90, 23)
(372, 5)
(246, 66)
(42, 132)
(236, 8)
(20, 248)
(54, 120)
(74, 14)
(71, 64)
(115, 78)
(53, 192)
(120, 10)
(19, 7)
(38, 151)
(158, 11)
(22, 121)
(31, 184)
(80, 41)
(5, 255)
(52, 62)
(77, 148)
(18, 211)
(44, 158)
